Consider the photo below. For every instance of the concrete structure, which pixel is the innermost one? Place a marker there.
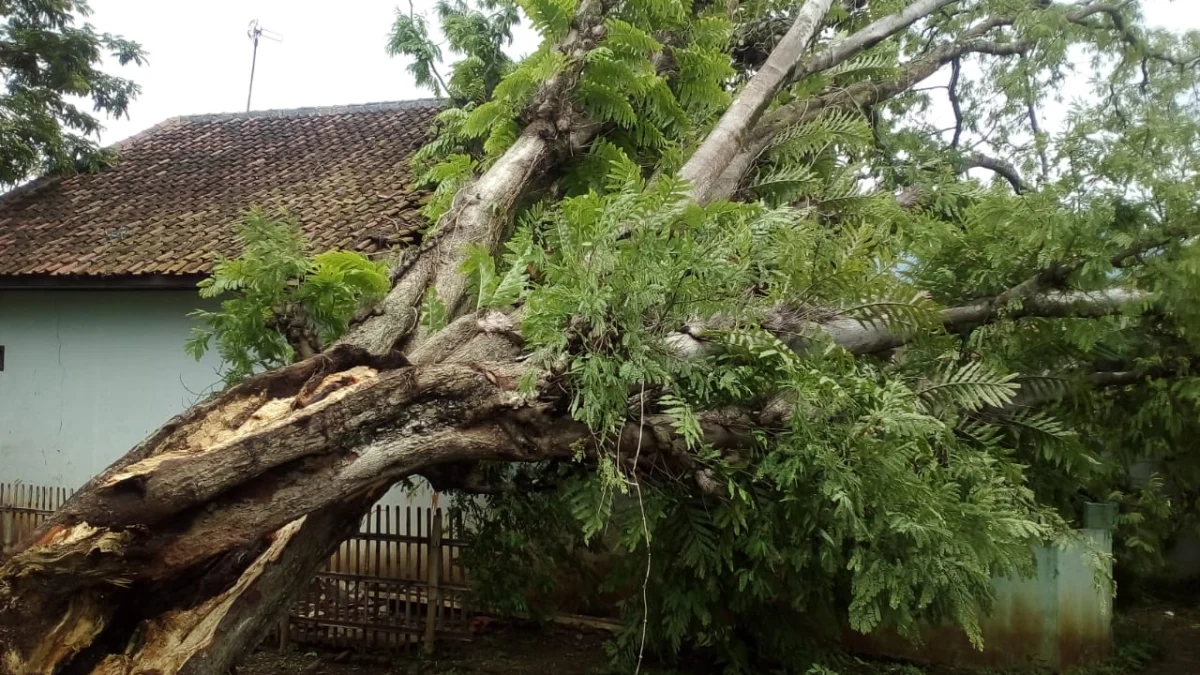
(87, 374)
(1058, 619)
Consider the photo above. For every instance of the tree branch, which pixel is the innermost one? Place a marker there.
(722, 144)
(480, 211)
(1000, 167)
(955, 105)
(1134, 252)
(860, 96)
(1113, 12)
(871, 93)
(796, 328)
(1038, 139)
(868, 37)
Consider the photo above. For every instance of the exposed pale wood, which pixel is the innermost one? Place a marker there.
(706, 166)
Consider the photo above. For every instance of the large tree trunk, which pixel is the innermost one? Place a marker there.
(180, 556)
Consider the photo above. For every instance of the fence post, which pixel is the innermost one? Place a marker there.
(433, 596)
(7, 524)
(6, 518)
(285, 627)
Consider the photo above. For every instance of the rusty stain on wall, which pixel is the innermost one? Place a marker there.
(1058, 619)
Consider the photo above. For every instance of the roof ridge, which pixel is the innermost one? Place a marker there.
(310, 111)
(38, 182)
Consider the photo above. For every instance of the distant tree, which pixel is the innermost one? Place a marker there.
(478, 34)
(51, 69)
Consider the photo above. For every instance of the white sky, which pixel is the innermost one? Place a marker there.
(332, 53)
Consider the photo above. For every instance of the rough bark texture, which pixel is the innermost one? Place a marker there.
(222, 515)
(162, 549)
(177, 557)
(180, 556)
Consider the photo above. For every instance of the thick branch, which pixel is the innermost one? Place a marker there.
(872, 337)
(867, 94)
(481, 211)
(727, 138)
(869, 337)
(870, 35)
(1004, 169)
(857, 96)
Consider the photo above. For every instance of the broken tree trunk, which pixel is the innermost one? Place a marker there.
(179, 557)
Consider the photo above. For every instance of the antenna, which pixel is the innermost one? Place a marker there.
(254, 32)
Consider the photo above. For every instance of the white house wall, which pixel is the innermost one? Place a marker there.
(88, 374)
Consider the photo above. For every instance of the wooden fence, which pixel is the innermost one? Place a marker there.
(379, 586)
(398, 582)
(23, 508)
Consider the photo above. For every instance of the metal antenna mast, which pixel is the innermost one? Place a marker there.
(254, 32)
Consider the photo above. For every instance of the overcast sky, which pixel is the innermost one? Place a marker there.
(332, 53)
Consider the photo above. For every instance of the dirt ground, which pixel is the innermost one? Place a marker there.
(1156, 638)
(1164, 635)
(503, 651)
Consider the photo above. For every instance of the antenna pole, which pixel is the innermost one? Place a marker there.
(255, 32)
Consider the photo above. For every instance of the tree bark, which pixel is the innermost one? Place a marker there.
(225, 512)
(728, 137)
(180, 556)
(869, 336)
(199, 533)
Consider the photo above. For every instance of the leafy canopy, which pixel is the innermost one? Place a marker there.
(887, 487)
(51, 66)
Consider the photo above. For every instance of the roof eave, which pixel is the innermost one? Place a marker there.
(93, 282)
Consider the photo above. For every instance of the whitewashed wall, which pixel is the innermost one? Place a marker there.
(88, 374)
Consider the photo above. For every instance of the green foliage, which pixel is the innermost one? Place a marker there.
(477, 33)
(551, 18)
(51, 65)
(526, 550)
(410, 37)
(276, 299)
(655, 115)
(891, 488)
(806, 505)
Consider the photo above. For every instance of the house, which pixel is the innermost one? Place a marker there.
(98, 272)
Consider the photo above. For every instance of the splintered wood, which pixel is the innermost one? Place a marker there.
(383, 588)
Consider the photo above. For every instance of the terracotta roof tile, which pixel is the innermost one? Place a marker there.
(178, 190)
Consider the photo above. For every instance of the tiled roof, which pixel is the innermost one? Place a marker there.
(177, 191)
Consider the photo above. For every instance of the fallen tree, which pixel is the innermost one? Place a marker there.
(750, 285)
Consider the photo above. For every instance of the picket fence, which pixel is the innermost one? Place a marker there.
(398, 582)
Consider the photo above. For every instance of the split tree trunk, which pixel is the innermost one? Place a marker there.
(180, 556)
